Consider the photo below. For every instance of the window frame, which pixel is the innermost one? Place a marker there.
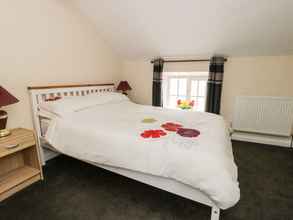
(190, 76)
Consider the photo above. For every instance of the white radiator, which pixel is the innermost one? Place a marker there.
(263, 115)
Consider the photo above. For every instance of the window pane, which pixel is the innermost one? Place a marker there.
(202, 87)
(182, 97)
(194, 84)
(173, 86)
(200, 104)
(182, 87)
(172, 102)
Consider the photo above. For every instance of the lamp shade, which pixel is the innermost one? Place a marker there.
(6, 98)
(123, 86)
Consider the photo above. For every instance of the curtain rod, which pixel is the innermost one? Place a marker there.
(186, 61)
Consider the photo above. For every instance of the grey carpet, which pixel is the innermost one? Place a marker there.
(75, 190)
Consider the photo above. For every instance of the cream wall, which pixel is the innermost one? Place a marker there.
(48, 42)
(256, 76)
(268, 76)
(139, 76)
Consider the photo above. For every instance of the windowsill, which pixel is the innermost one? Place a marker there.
(193, 110)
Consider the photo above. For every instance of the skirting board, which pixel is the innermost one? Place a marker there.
(49, 154)
(262, 139)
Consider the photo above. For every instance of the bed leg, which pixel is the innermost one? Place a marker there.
(215, 215)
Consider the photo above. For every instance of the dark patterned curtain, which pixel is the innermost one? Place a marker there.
(214, 87)
(157, 82)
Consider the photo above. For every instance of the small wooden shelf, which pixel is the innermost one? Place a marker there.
(16, 177)
(19, 166)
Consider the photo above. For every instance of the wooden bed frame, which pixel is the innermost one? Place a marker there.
(40, 94)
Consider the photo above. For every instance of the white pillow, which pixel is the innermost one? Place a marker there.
(68, 105)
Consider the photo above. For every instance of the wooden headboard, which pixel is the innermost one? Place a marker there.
(40, 94)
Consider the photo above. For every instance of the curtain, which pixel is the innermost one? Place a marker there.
(214, 86)
(157, 82)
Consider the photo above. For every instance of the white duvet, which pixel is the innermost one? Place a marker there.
(110, 134)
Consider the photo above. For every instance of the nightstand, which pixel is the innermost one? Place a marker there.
(19, 166)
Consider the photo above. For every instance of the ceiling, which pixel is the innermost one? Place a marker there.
(148, 28)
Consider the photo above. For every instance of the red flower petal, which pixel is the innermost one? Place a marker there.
(153, 133)
(187, 132)
(145, 135)
(170, 126)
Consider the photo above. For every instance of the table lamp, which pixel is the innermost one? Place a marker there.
(5, 99)
(123, 86)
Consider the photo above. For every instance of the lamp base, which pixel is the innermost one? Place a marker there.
(4, 133)
(3, 120)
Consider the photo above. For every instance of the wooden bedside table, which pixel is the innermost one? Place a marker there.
(19, 166)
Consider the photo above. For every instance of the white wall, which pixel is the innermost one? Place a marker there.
(268, 76)
(48, 42)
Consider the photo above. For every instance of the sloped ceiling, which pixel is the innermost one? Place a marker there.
(147, 28)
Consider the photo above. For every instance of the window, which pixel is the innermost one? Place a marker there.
(187, 86)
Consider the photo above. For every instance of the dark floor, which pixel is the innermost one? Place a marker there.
(75, 190)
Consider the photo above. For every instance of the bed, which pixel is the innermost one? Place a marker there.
(114, 135)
